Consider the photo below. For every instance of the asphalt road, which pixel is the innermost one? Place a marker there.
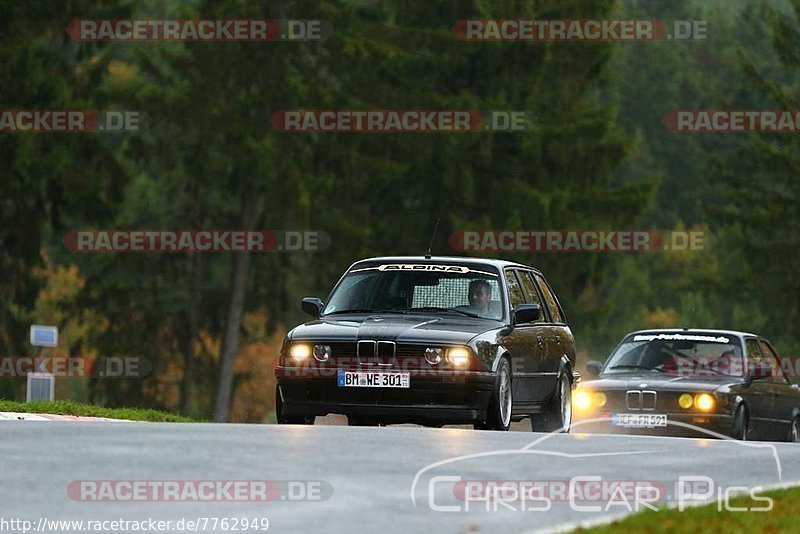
(354, 479)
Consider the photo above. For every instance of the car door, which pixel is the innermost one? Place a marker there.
(539, 377)
(759, 395)
(785, 395)
(521, 343)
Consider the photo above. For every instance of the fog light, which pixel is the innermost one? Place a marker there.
(582, 400)
(322, 352)
(433, 356)
(685, 401)
(458, 356)
(300, 351)
(704, 402)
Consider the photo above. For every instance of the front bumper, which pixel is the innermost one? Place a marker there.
(694, 425)
(460, 398)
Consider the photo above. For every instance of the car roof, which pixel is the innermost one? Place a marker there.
(499, 264)
(735, 333)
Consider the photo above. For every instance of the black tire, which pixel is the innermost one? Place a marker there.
(794, 433)
(558, 414)
(498, 413)
(741, 424)
(289, 419)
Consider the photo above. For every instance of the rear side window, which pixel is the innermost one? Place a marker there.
(515, 296)
(552, 304)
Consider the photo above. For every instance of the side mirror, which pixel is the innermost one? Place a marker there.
(594, 368)
(525, 313)
(312, 306)
(760, 370)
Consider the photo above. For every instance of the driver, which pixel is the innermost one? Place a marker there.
(479, 295)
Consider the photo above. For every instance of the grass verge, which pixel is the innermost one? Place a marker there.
(91, 410)
(782, 518)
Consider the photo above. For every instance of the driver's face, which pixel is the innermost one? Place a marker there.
(479, 296)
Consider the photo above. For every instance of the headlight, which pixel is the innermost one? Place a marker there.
(458, 356)
(433, 355)
(599, 399)
(322, 352)
(704, 402)
(582, 400)
(300, 351)
(685, 401)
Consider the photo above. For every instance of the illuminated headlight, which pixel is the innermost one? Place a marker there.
(458, 356)
(582, 400)
(300, 351)
(685, 401)
(322, 352)
(704, 402)
(433, 355)
(599, 399)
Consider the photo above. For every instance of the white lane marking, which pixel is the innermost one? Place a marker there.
(17, 416)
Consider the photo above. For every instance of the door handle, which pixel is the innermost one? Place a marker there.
(540, 341)
(557, 339)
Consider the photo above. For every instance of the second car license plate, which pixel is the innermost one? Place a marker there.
(640, 420)
(368, 379)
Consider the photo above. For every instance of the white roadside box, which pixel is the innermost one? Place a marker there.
(41, 386)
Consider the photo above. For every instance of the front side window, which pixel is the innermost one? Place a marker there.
(533, 296)
(515, 295)
(753, 352)
(769, 357)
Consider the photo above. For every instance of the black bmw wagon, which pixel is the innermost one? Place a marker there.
(433, 341)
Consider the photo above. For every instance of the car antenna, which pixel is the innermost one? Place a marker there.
(430, 245)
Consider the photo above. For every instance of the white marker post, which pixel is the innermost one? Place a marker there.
(41, 386)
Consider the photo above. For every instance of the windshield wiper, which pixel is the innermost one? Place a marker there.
(437, 308)
(633, 366)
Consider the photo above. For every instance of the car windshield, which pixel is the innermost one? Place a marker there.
(438, 289)
(696, 355)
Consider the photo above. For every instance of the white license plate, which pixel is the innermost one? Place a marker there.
(640, 420)
(369, 379)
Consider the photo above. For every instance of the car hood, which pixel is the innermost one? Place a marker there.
(399, 328)
(661, 382)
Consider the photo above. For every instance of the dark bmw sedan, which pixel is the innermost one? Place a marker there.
(431, 340)
(702, 383)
